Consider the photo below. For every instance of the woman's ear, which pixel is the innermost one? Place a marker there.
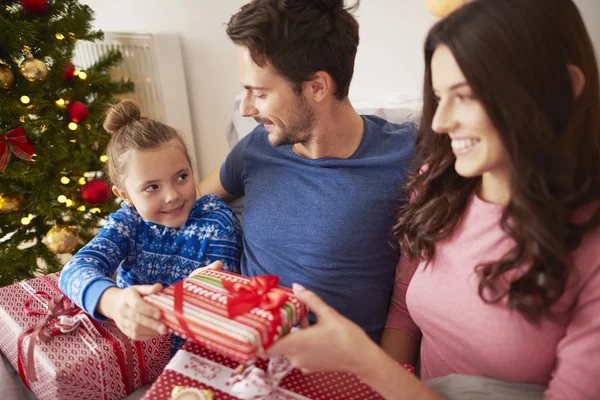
(577, 80)
(122, 194)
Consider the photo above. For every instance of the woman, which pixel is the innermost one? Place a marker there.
(500, 276)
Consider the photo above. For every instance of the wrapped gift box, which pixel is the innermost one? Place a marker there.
(70, 355)
(229, 313)
(195, 367)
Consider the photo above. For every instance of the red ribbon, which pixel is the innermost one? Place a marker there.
(48, 327)
(44, 330)
(14, 141)
(261, 292)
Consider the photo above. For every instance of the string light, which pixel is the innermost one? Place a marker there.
(69, 203)
(22, 118)
(60, 102)
(76, 72)
(81, 208)
(72, 126)
(62, 198)
(73, 141)
(25, 221)
(82, 181)
(64, 180)
(82, 75)
(103, 158)
(25, 99)
(60, 36)
(95, 210)
(87, 174)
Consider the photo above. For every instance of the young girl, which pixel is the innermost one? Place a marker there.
(500, 275)
(159, 236)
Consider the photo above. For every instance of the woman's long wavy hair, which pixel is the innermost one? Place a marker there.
(514, 55)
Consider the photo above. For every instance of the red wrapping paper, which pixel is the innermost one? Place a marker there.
(92, 361)
(195, 366)
(208, 311)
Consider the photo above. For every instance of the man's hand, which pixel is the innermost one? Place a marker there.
(134, 317)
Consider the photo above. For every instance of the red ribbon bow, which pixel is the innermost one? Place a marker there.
(14, 141)
(261, 291)
(58, 305)
(62, 316)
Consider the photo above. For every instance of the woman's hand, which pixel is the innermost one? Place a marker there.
(217, 266)
(132, 315)
(333, 343)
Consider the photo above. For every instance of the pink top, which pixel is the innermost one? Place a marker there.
(463, 335)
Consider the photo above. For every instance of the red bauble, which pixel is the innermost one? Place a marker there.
(77, 112)
(34, 6)
(69, 72)
(96, 191)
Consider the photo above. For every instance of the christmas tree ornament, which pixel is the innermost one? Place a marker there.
(69, 72)
(7, 77)
(442, 8)
(62, 239)
(77, 112)
(35, 6)
(33, 69)
(17, 143)
(10, 202)
(96, 191)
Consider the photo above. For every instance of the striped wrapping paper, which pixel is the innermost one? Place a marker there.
(202, 316)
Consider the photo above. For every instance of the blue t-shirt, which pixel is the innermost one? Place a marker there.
(325, 223)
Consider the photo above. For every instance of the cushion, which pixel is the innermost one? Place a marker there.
(239, 126)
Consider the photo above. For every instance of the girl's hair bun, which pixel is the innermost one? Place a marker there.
(120, 115)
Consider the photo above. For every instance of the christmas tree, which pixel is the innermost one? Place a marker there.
(52, 192)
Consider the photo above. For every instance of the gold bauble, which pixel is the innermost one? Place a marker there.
(442, 8)
(10, 202)
(62, 239)
(7, 77)
(33, 69)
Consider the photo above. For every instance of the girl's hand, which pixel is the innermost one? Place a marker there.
(217, 266)
(334, 343)
(134, 317)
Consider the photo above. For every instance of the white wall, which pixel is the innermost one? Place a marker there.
(389, 56)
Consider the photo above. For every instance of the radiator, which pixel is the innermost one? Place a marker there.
(154, 63)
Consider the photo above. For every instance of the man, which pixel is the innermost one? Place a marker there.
(321, 183)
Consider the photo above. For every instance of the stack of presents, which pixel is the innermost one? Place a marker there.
(229, 321)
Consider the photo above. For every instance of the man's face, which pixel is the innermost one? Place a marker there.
(270, 99)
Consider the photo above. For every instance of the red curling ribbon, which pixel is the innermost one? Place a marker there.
(57, 306)
(14, 141)
(261, 292)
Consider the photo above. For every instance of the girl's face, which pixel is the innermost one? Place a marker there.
(475, 141)
(160, 184)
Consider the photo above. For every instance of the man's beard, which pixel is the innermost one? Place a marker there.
(298, 130)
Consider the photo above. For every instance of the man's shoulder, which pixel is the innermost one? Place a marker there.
(379, 125)
(256, 137)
